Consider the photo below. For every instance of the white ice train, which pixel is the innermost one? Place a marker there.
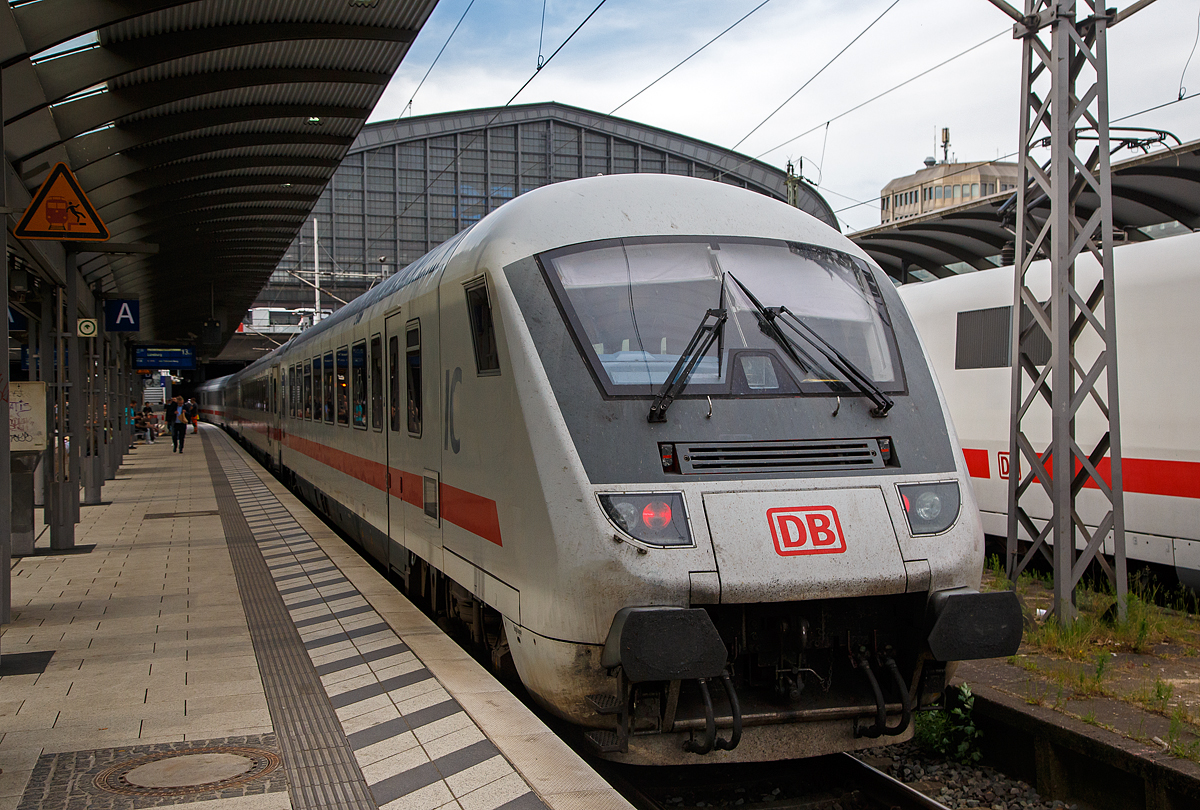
(643, 433)
(964, 323)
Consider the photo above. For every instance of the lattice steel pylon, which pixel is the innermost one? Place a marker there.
(1065, 441)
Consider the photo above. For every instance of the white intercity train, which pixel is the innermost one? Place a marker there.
(669, 448)
(964, 323)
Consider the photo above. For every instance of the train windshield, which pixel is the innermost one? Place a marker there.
(636, 304)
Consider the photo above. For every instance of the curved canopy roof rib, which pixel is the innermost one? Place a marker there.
(206, 127)
(1157, 189)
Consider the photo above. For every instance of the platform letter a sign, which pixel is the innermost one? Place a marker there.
(121, 315)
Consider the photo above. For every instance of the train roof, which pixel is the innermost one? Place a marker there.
(593, 209)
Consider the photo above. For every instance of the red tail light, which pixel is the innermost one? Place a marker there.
(657, 514)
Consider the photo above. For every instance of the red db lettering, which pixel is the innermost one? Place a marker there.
(818, 529)
(806, 530)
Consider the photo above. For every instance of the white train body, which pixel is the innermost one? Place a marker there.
(1158, 342)
(529, 421)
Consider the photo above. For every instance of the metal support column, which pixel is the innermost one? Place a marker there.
(60, 512)
(5, 468)
(1064, 104)
(110, 390)
(76, 389)
(94, 480)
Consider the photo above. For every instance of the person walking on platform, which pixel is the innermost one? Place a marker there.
(192, 411)
(177, 419)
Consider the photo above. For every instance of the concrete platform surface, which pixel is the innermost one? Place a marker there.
(220, 646)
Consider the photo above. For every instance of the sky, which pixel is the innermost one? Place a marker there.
(726, 91)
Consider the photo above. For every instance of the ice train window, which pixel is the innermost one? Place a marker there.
(483, 331)
(635, 304)
(327, 386)
(394, 379)
(306, 399)
(358, 384)
(343, 386)
(412, 364)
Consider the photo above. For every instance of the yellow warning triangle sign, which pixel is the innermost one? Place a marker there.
(60, 210)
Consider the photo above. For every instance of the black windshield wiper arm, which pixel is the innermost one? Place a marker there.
(774, 316)
(698, 346)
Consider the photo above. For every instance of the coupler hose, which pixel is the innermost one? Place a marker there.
(710, 724)
(905, 703)
(736, 710)
(880, 709)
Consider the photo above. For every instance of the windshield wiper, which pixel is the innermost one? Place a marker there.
(698, 346)
(773, 316)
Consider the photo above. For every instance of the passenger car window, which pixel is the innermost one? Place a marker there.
(358, 384)
(412, 357)
(377, 382)
(343, 386)
(306, 400)
(394, 367)
(328, 387)
(483, 331)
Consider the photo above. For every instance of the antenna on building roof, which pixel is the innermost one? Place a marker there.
(945, 144)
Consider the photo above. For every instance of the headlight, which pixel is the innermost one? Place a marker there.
(656, 519)
(931, 508)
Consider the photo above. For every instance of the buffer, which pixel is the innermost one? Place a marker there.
(60, 210)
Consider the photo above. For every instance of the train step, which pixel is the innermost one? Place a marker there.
(605, 742)
(604, 704)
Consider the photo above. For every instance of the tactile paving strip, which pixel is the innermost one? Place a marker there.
(320, 764)
(415, 745)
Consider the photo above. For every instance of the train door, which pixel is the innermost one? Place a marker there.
(269, 418)
(281, 403)
(416, 451)
(398, 482)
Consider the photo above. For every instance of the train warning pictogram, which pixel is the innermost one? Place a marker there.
(60, 210)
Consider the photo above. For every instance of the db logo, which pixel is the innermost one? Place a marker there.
(806, 530)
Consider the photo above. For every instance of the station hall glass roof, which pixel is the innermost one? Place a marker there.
(207, 128)
(408, 185)
(1152, 193)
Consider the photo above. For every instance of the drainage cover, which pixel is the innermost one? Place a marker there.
(195, 770)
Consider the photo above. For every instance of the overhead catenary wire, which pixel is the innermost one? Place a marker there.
(871, 100)
(688, 58)
(678, 65)
(408, 106)
(813, 78)
(484, 128)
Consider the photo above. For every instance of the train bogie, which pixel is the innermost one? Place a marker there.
(670, 449)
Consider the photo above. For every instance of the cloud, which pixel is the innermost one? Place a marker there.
(731, 87)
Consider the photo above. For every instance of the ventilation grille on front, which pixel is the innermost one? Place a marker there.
(770, 457)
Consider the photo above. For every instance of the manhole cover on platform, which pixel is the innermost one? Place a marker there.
(179, 773)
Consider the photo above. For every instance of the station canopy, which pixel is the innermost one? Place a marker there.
(1153, 194)
(208, 128)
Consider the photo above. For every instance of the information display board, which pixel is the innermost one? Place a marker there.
(152, 357)
(27, 417)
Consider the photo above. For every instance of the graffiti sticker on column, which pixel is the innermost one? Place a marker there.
(806, 530)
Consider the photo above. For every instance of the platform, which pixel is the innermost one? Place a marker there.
(220, 646)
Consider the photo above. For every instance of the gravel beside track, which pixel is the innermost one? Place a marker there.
(954, 784)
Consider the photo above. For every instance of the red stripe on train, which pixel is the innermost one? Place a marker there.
(466, 510)
(472, 512)
(977, 463)
(1144, 476)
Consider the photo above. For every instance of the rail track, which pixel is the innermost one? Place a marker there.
(834, 781)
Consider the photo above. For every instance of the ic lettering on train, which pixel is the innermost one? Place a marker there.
(806, 530)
